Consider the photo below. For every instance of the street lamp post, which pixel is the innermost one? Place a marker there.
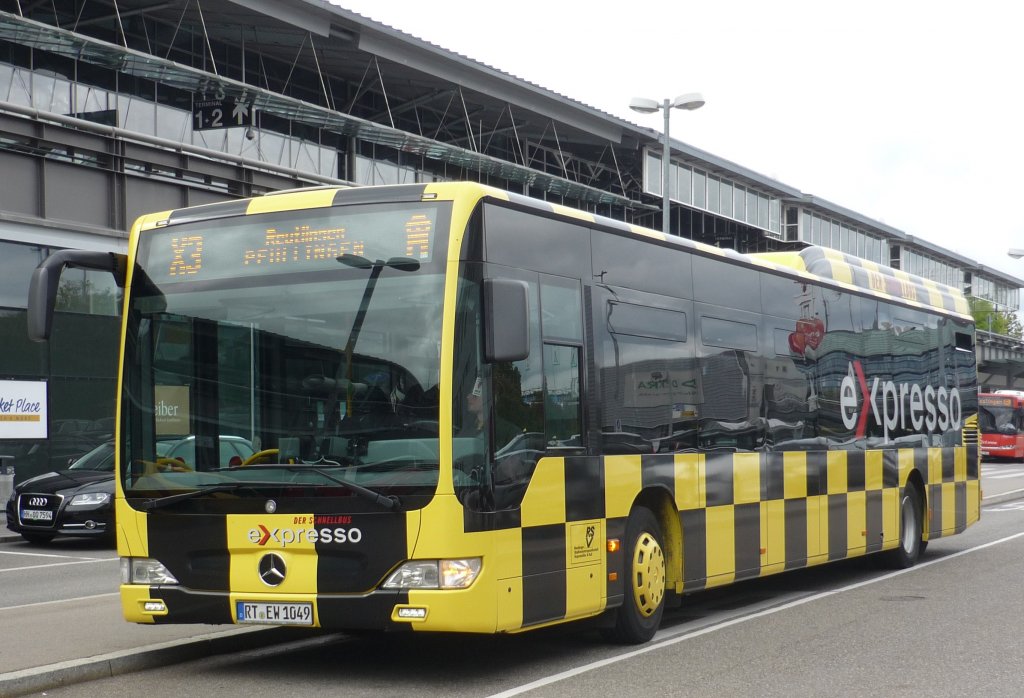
(689, 102)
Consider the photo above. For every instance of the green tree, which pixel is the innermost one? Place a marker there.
(987, 318)
(1014, 328)
(79, 294)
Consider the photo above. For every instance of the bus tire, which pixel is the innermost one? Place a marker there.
(638, 618)
(911, 543)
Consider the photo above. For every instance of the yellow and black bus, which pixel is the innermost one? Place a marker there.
(474, 411)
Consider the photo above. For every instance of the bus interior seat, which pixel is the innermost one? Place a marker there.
(288, 449)
(425, 449)
(335, 447)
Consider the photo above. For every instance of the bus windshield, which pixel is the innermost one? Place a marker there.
(999, 415)
(293, 360)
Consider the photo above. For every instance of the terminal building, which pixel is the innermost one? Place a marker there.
(113, 108)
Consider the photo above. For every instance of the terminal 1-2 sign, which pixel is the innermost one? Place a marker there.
(220, 113)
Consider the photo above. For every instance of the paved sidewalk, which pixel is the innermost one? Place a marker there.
(84, 641)
(33, 680)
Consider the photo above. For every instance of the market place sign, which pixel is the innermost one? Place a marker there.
(22, 409)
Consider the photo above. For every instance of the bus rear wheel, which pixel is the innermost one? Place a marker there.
(911, 529)
(639, 616)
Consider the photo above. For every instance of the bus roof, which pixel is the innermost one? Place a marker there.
(814, 263)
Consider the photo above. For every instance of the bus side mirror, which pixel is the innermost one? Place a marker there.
(42, 289)
(506, 320)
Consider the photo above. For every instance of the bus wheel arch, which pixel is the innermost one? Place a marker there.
(926, 510)
(659, 501)
(912, 524)
(645, 570)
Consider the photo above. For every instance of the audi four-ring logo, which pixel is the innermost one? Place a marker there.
(37, 501)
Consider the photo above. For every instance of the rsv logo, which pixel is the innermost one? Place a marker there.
(896, 405)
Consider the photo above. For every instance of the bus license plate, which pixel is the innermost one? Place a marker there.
(265, 613)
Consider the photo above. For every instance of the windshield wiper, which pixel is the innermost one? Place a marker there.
(390, 502)
(161, 502)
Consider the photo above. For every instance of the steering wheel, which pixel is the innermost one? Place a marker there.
(266, 455)
(466, 470)
(165, 465)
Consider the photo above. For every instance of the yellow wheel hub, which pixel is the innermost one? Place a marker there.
(648, 576)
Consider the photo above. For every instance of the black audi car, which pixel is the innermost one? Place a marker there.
(78, 501)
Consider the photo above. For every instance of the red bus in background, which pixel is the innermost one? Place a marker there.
(1001, 423)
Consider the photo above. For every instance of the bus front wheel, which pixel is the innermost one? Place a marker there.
(639, 616)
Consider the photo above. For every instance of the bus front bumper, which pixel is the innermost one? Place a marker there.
(385, 610)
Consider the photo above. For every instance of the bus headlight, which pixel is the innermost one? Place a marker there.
(144, 570)
(435, 574)
(459, 574)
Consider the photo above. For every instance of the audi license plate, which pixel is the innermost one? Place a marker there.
(265, 613)
(36, 515)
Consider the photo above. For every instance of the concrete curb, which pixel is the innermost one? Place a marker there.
(1002, 497)
(25, 681)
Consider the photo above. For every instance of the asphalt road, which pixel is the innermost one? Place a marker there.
(849, 625)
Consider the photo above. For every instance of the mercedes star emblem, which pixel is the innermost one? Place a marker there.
(272, 569)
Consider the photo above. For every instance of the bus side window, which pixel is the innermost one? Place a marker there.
(730, 384)
(561, 304)
(517, 387)
(562, 408)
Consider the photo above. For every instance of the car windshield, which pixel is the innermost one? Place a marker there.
(100, 458)
(333, 363)
(232, 450)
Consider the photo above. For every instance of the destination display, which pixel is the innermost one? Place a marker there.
(299, 241)
(988, 401)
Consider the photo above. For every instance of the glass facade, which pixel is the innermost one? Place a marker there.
(714, 193)
(163, 112)
(932, 268)
(999, 294)
(839, 235)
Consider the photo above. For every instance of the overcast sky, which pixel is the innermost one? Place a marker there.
(906, 111)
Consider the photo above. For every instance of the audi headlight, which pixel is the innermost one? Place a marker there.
(144, 570)
(435, 574)
(89, 499)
